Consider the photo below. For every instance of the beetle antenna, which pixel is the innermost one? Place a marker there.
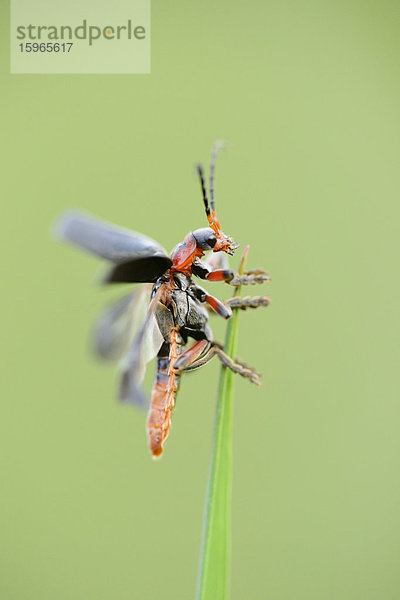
(204, 192)
(217, 146)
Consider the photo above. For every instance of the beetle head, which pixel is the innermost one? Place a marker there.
(223, 243)
(208, 239)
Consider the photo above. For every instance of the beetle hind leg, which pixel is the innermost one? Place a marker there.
(203, 351)
(192, 356)
(238, 366)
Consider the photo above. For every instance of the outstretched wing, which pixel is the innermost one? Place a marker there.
(116, 325)
(139, 270)
(138, 257)
(145, 347)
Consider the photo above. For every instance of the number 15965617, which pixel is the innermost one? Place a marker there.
(46, 47)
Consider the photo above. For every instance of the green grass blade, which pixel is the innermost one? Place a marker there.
(214, 567)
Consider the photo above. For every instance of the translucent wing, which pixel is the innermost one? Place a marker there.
(115, 327)
(145, 347)
(216, 260)
(120, 246)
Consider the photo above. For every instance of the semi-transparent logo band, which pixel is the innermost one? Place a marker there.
(52, 36)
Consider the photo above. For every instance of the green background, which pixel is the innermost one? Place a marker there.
(308, 95)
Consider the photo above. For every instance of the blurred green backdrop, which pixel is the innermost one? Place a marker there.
(307, 94)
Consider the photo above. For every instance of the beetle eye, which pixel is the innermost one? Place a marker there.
(211, 239)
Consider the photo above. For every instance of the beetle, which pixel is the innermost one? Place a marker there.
(177, 308)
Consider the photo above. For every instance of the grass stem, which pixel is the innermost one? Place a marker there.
(214, 566)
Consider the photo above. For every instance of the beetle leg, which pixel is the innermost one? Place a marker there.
(191, 355)
(206, 354)
(203, 360)
(250, 278)
(238, 367)
(248, 302)
(246, 366)
(204, 270)
(219, 307)
(226, 275)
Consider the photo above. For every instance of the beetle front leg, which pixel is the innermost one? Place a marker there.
(226, 275)
(204, 271)
(253, 277)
